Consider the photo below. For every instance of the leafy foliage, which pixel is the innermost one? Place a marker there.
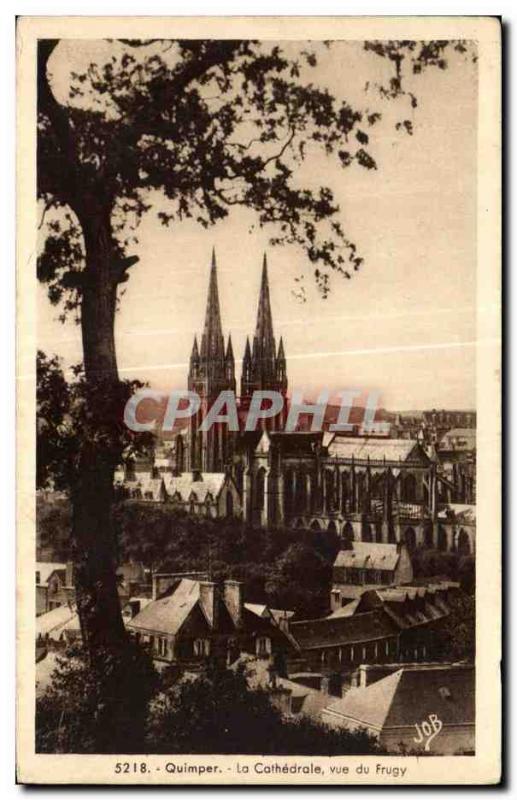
(458, 634)
(219, 713)
(215, 712)
(65, 420)
(285, 568)
(96, 707)
(457, 567)
(209, 125)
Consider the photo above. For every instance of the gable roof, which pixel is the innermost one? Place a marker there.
(369, 555)
(53, 623)
(369, 705)
(46, 568)
(412, 693)
(168, 614)
(367, 448)
(185, 484)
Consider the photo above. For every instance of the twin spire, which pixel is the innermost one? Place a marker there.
(212, 341)
(262, 367)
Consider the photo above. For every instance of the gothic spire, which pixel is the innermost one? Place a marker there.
(281, 366)
(194, 356)
(247, 351)
(264, 329)
(262, 368)
(212, 344)
(229, 349)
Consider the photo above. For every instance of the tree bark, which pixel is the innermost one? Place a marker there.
(92, 491)
(92, 495)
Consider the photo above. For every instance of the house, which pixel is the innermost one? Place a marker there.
(368, 564)
(200, 619)
(385, 624)
(332, 645)
(424, 708)
(54, 586)
(205, 494)
(44, 569)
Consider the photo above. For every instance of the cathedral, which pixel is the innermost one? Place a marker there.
(362, 488)
(212, 370)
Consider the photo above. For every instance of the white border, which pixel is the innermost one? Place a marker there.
(153, 7)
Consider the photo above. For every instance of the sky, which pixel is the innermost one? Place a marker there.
(404, 326)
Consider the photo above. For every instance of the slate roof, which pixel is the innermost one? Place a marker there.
(210, 483)
(264, 612)
(304, 700)
(259, 609)
(369, 555)
(362, 449)
(412, 693)
(335, 631)
(53, 623)
(168, 614)
(346, 611)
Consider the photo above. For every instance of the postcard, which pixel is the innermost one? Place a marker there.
(258, 396)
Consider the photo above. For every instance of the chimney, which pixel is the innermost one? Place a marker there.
(233, 601)
(69, 574)
(208, 597)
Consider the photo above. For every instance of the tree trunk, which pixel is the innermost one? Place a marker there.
(93, 538)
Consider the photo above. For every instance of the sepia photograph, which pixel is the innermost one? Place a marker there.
(264, 306)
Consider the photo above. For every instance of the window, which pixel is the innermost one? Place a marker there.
(161, 645)
(263, 646)
(38, 576)
(201, 647)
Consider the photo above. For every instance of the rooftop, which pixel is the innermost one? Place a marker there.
(369, 448)
(412, 693)
(335, 631)
(168, 614)
(186, 485)
(369, 555)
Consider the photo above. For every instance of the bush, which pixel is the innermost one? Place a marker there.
(123, 707)
(218, 713)
(96, 707)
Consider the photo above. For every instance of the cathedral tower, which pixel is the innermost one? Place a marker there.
(263, 367)
(211, 371)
